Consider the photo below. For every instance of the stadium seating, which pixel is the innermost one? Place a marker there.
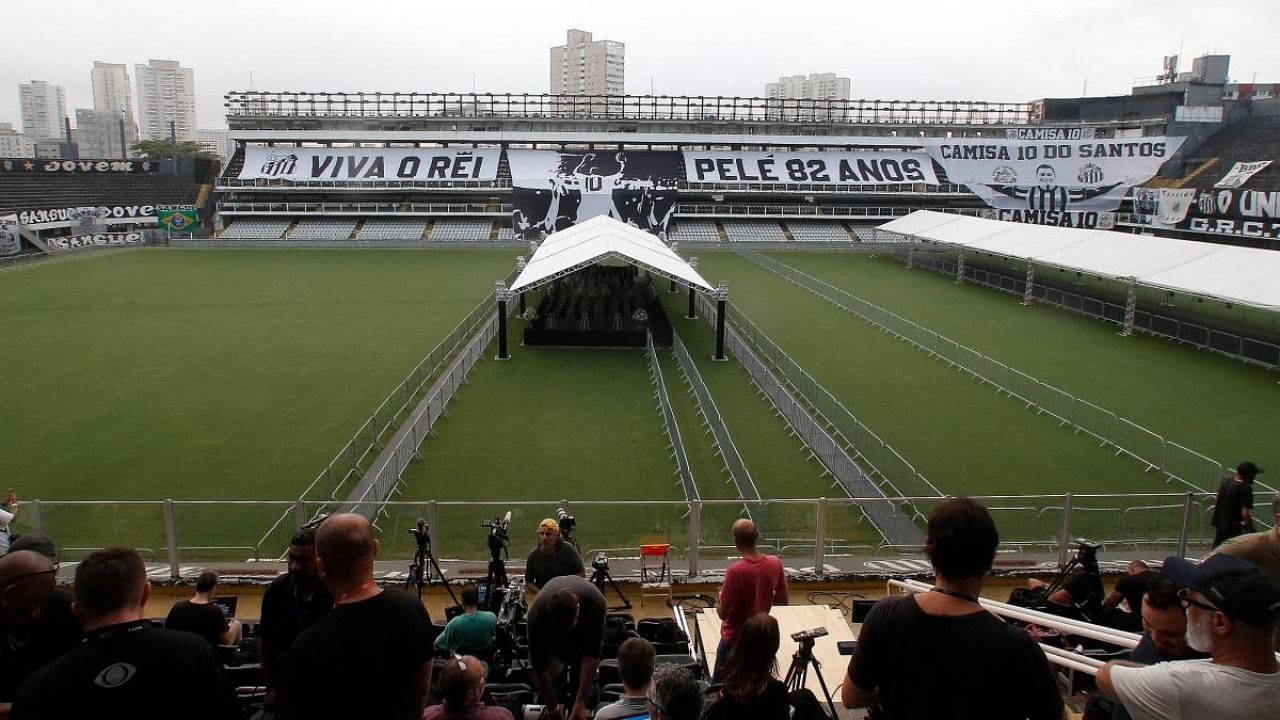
(695, 231)
(506, 233)
(393, 229)
(753, 231)
(818, 232)
(256, 229)
(323, 228)
(32, 191)
(865, 233)
(464, 230)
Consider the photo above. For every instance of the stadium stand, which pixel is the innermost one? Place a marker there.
(338, 228)
(695, 231)
(457, 229)
(30, 191)
(506, 233)
(256, 229)
(864, 233)
(818, 232)
(393, 229)
(753, 231)
(1257, 138)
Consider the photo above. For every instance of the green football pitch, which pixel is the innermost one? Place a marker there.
(237, 374)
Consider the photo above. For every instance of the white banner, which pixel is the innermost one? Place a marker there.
(1066, 176)
(1174, 204)
(311, 163)
(1240, 173)
(88, 215)
(1090, 220)
(10, 240)
(79, 241)
(850, 168)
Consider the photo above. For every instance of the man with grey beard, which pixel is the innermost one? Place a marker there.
(1232, 611)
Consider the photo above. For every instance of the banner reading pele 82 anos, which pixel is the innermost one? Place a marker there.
(850, 168)
(1053, 175)
(314, 163)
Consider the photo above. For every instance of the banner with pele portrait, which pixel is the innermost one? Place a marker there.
(553, 190)
(354, 164)
(1052, 175)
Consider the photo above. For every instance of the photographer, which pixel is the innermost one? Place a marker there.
(8, 513)
(552, 558)
(566, 633)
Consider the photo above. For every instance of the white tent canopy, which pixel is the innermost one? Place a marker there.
(1241, 275)
(603, 238)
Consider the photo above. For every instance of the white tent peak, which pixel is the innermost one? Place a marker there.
(600, 238)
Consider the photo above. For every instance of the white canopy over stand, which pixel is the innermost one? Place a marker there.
(601, 239)
(1246, 276)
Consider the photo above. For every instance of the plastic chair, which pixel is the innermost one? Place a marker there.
(655, 572)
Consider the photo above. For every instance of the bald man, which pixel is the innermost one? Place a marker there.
(752, 585)
(370, 656)
(462, 686)
(36, 623)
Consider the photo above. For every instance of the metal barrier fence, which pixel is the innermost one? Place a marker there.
(1041, 528)
(352, 460)
(1175, 461)
(1239, 347)
(893, 476)
(723, 441)
(669, 423)
(890, 521)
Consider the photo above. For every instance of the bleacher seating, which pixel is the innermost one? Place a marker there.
(753, 231)
(865, 233)
(256, 229)
(818, 232)
(694, 231)
(506, 233)
(393, 229)
(33, 191)
(324, 228)
(461, 230)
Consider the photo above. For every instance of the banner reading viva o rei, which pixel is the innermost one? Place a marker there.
(390, 163)
(1058, 176)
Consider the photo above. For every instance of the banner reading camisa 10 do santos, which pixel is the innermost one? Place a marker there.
(1052, 175)
(354, 164)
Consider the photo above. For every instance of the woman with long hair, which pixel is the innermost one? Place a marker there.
(752, 690)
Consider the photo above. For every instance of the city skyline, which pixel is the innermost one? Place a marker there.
(998, 51)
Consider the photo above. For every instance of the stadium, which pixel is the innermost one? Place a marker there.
(654, 315)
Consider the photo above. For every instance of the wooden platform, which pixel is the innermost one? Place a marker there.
(791, 619)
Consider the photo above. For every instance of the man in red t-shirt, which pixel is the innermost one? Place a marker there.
(752, 585)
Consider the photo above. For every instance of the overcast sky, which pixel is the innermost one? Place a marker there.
(896, 49)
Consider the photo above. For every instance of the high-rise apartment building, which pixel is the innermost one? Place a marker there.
(214, 141)
(583, 66)
(111, 90)
(44, 110)
(14, 144)
(104, 134)
(166, 93)
(817, 86)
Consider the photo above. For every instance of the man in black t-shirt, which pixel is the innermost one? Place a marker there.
(1233, 508)
(1130, 590)
(566, 631)
(552, 558)
(202, 617)
(292, 603)
(370, 656)
(125, 667)
(940, 654)
(36, 623)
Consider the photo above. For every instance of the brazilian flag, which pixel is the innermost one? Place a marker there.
(178, 218)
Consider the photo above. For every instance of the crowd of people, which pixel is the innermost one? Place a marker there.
(332, 642)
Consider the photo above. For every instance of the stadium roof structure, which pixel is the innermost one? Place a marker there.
(1246, 276)
(603, 238)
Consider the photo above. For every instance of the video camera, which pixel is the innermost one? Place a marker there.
(568, 525)
(600, 563)
(809, 635)
(499, 538)
(421, 533)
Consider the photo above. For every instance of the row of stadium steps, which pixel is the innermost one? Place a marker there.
(30, 191)
(322, 228)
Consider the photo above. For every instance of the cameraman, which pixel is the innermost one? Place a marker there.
(566, 634)
(552, 558)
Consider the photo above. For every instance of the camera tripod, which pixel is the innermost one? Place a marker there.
(423, 561)
(601, 578)
(493, 587)
(799, 671)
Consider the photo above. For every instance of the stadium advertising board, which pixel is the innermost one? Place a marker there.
(102, 213)
(849, 168)
(554, 190)
(1059, 176)
(99, 239)
(10, 240)
(354, 164)
(1088, 220)
(177, 218)
(82, 167)
(1240, 173)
